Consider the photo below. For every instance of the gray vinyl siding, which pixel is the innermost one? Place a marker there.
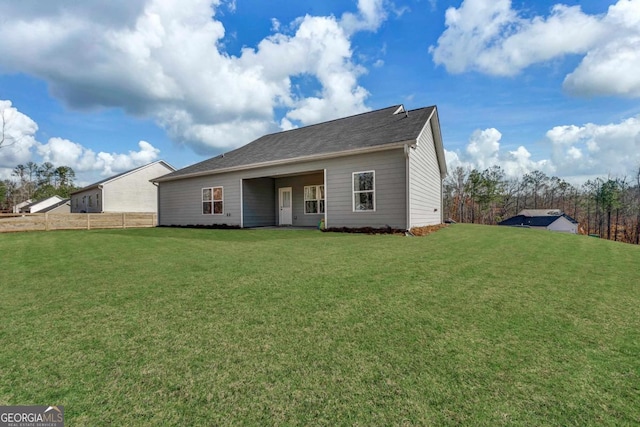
(181, 200)
(80, 201)
(390, 202)
(425, 192)
(259, 197)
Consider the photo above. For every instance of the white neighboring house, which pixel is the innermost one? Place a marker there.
(550, 219)
(41, 205)
(130, 191)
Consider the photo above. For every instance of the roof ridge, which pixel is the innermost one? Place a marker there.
(332, 120)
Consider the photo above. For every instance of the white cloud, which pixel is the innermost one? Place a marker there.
(597, 149)
(61, 151)
(491, 37)
(168, 62)
(22, 147)
(17, 133)
(575, 152)
(483, 151)
(371, 14)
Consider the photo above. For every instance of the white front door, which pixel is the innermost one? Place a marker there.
(285, 206)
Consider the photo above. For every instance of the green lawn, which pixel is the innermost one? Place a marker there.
(471, 325)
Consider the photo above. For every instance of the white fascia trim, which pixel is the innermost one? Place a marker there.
(407, 151)
(385, 147)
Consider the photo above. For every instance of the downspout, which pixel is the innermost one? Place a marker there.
(157, 202)
(407, 187)
(101, 188)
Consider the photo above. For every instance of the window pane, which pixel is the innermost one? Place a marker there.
(364, 201)
(217, 207)
(321, 206)
(206, 208)
(310, 193)
(206, 194)
(310, 206)
(217, 193)
(286, 199)
(321, 192)
(363, 181)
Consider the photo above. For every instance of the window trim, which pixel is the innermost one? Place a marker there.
(212, 201)
(305, 200)
(354, 191)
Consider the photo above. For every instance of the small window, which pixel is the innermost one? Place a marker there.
(364, 191)
(314, 199)
(90, 202)
(212, 201)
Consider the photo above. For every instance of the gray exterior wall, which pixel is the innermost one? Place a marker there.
(425, 188)
(80, 201)
(259, 208)
(181, 200)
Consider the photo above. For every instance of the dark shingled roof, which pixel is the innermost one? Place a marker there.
(372, 129)
(534, 221)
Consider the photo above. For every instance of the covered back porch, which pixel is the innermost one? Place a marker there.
(296, 200)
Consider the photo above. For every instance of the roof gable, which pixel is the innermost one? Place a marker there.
(120, 175)
(373, 130)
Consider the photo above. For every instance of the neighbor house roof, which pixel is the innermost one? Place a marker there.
(367, 131)
(32, 204)
(534, 221)
(540, 212)
(114, 177)
(52, 207)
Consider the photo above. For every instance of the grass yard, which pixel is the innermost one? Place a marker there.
(471, 325)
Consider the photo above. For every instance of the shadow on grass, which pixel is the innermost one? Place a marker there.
(233, 235)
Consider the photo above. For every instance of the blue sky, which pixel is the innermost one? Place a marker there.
(105, 87)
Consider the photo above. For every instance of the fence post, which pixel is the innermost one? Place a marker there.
(88, 222)
(124, 220)
(46, 221)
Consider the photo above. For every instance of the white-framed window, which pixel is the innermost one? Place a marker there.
(212, 201)
(364, 191)
(314, 199)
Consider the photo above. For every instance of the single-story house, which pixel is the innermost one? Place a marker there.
(550, 219)
(130, 191)
(41, 205)
(383, 168)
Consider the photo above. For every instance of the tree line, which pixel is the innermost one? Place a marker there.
(33, 181)
(608, 208)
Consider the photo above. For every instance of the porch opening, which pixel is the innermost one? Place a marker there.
(296, 200)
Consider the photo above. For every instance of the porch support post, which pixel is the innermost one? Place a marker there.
(326, 199)
(241, 204)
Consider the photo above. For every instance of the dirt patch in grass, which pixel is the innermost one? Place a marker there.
(423, 231)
